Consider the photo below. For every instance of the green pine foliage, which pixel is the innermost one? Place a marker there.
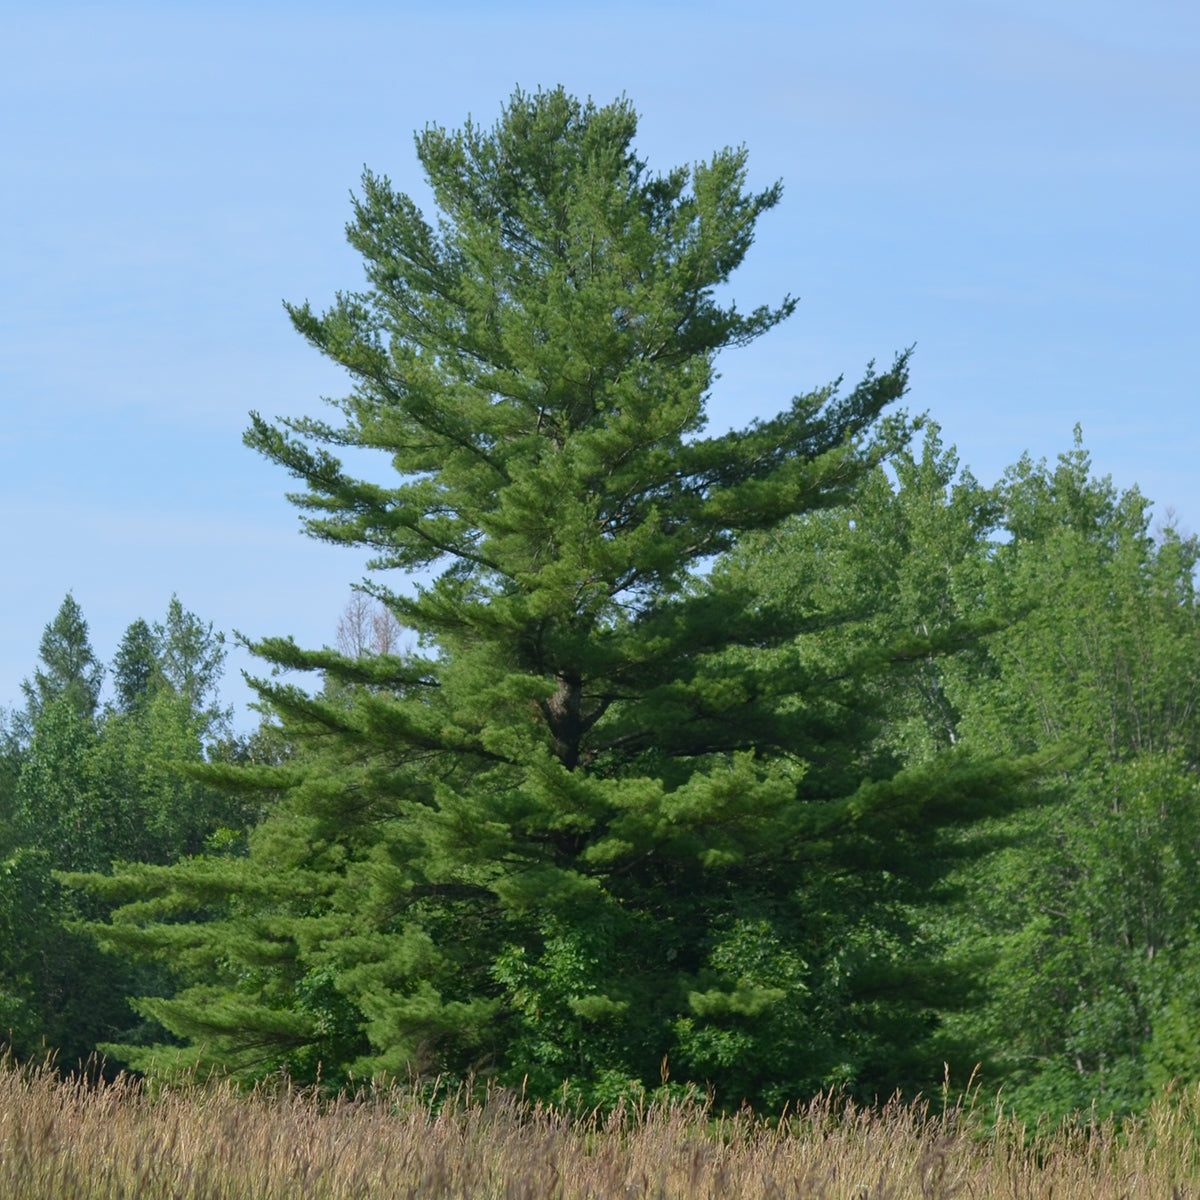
(69, 668)
(136, 667)
(615, 808)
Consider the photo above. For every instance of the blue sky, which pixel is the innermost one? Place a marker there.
(1012, 186)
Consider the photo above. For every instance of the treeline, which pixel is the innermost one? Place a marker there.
(84, 784)
(767, 762)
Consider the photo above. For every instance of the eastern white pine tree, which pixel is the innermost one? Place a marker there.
(595, 820)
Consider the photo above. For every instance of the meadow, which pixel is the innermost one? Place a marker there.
(67, 1139)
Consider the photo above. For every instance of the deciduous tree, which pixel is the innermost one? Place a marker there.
(1089, 913)
(84, 788)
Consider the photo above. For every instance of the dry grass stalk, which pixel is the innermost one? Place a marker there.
(66, 1140)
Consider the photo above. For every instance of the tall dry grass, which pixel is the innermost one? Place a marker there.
(65, 1140)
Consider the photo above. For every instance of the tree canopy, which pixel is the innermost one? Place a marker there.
(69, 669)
(83, 785)
(616, 807)
(769, 760)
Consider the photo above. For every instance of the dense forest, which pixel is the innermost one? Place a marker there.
(767, 762)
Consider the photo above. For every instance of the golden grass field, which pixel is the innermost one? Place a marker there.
(61, 1139)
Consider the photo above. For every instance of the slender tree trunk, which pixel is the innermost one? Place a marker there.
(563, 715)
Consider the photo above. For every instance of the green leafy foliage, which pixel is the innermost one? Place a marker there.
(1088, 912)
(82, 788)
